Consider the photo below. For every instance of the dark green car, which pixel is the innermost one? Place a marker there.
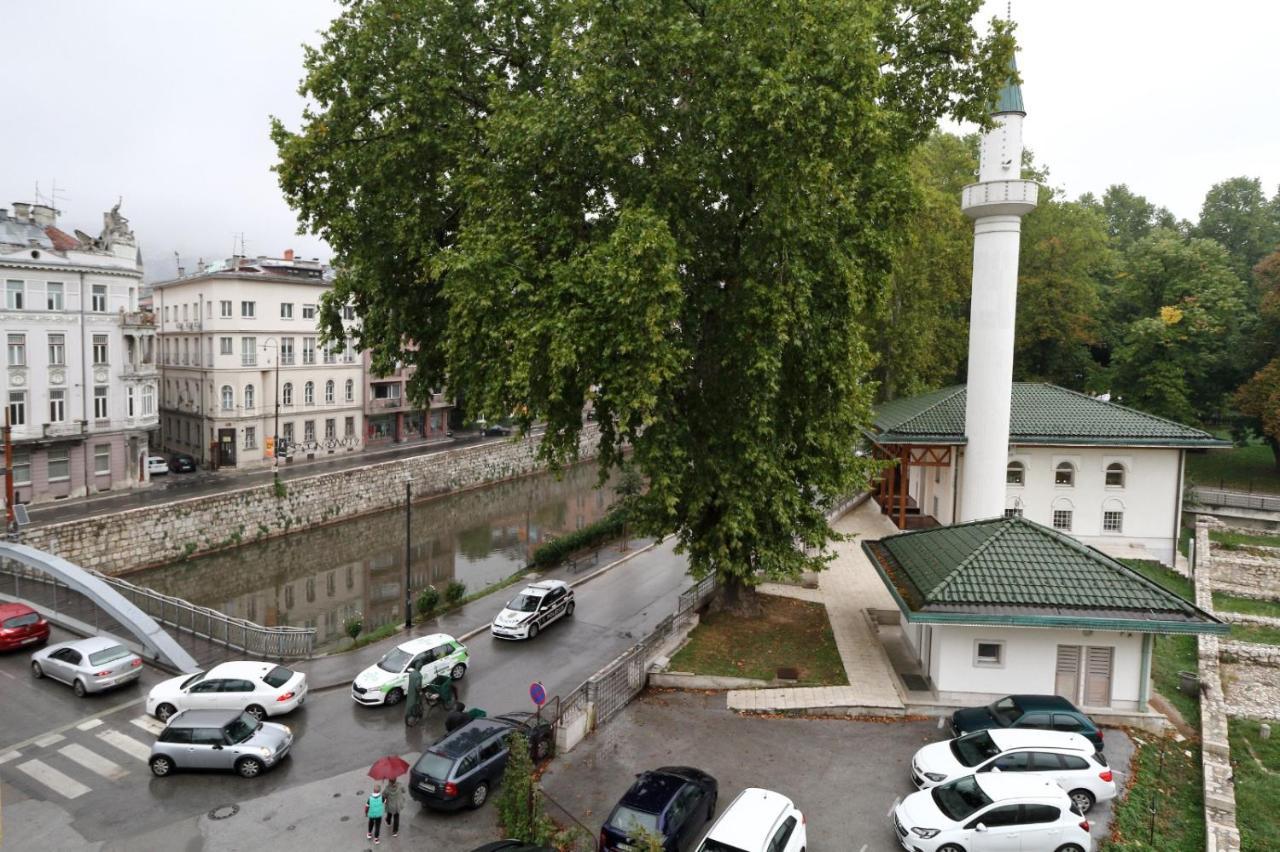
(1045, 712)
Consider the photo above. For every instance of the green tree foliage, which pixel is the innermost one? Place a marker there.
(1131, 217)
(676, 211)
(1237, 215)
(1259, 398)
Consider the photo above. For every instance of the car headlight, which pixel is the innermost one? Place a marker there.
(266, 752)
(934, 776)
(926, 833)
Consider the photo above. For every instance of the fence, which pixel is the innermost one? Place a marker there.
(1236, 499)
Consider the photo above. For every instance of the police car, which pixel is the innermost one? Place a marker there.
(534, 608)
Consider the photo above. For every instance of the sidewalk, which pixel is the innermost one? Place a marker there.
(848, 588)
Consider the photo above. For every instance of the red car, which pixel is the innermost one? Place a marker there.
(21, 626)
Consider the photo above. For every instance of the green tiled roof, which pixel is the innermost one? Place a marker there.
(1039, 414)
(1015, 571)
(1010, 97)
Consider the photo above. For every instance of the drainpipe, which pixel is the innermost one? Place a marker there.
(1144, 681)
(85, 384)
(1177, 506)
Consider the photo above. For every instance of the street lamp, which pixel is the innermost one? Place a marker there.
(408, 550)
(275, 435)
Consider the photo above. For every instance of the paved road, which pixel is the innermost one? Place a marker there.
(334, 734)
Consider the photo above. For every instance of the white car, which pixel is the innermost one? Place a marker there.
(258, 688)
(385, 681)
(991, 812)
(757, 821)
(1065, 758)
(157, 465)
(534, 608)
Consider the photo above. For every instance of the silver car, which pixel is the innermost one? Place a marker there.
(89, 665)
(219, 739)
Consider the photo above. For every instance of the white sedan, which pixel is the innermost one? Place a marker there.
(157, 465)
(260, 689)
(537, 605)
(1067, 759)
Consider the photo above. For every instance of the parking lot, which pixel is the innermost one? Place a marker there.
(845, 775)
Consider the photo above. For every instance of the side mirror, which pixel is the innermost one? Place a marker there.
(980, 827)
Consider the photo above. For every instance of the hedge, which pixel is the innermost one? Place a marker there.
(557, 550)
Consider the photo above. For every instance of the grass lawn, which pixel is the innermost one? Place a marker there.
(1257, 786)
(1260, 634)
(1157, 573)
(1235, 540)
(1248, 468)
(790, 633)
(1250, 606)
(1166, 774)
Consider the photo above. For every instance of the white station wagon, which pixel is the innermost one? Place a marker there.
(385, 681)
(258, 688)
(1065, 758)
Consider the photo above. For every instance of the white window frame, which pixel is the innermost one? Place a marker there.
(308, 311)
(350, 390)
(286, 395)
(328, 392)
(250, 398)
(224, 308)
(98, 298)
(21, 467)
(1021, 468)
(57, 350)
(286, 310)
(17, 408)
(17, 350)
(226, 346)
(63, 460)
(15, 296)
(1070, 517)
(1114, 467)
(57, 405)
(248, 352)
(250, 438)
(228, 396)
(988, 663)
(309, 393)
(101, 455)
(101, 349)
(101, 402)
(1118, 528)
(54, 296)
(1059, 466)
(248, 309)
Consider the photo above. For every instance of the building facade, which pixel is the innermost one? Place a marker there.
(80, 369)
(391, 418)
(240, 351)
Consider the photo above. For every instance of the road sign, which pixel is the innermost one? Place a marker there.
(537, 693)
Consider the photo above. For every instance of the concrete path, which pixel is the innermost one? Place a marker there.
(848, 588)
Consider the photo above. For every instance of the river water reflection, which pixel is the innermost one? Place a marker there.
(319, 577)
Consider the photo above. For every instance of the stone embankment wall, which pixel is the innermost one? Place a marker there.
(1250, 654)
(155, 535)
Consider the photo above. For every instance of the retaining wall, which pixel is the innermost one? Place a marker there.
(1249, 653)
(156, 535)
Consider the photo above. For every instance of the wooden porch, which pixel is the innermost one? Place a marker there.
(892, 487)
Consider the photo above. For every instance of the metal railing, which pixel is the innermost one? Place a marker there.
(1236, 499)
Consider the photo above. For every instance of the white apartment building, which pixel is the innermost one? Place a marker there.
(227, 332)
(80, 370)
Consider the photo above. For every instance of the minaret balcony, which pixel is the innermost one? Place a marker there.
(999, 198)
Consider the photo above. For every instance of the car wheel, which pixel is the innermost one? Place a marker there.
(249, 767)
(395, 696)
(161, 766)
(542, 749)
(458, 671)
(36, 671)
(569, 609)
(164, 711)
(77, 686)
(1070, 847)
(533, 630)
(256, 712)
(1083, 800)
(951, 847)
(480, 794)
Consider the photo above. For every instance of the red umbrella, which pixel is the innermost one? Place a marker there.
(386, 768)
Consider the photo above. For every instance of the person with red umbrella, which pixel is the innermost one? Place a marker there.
(388, 769)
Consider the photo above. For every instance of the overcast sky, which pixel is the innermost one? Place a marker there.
(166, 104)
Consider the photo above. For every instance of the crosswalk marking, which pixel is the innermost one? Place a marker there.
(93, 762)
(53, 779)
(125, 743)
(49, 739)
(149, 724)
(89, 725)
(10, 755)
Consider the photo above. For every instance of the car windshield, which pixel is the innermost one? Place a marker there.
(1006, 711)
(628, 820)
(243, 727)
(435, 765)
(959, 799)
(277, 677)
(22, 620)
(395, 660)
(524, 603)
(972, 749)
(710, 845)
(194, 679)
(109, 655)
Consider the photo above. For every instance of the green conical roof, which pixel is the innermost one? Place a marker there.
(1010, 97)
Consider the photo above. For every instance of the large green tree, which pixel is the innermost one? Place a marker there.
(1259, 398)
(1238, 216)
(675, 210)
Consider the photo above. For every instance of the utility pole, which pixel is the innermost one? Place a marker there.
(408, 552)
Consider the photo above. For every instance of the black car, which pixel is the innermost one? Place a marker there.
(497, 430)
(512, 846)
(460, 768)
(182, 463)
(673, 802)
(1046, 712)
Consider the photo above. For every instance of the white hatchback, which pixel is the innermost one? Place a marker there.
(157, 465)
(991, 812)
(258, 688)
(386, 681)
(1065, 758)
(757, 821)
(537, 605)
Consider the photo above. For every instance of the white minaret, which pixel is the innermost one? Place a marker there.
(997, 204)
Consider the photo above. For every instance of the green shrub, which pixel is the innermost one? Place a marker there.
(428, 600)
(519, 808)
(455, 591)
(353, 625)
(554, 552)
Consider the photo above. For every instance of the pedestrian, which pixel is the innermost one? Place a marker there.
(374, 809)
(413, 698)
(394, 796)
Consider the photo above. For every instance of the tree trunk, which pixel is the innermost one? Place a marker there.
(737, 598)
(1275, 450)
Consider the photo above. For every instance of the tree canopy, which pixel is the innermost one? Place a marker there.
(678, 212)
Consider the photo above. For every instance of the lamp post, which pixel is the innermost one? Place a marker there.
(408, 551)
(275, 434)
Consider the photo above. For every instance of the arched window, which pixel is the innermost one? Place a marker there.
(1015, 473)
(1063, 514)
(1115, 475)
(351, 390)
(1113, 516)
(328, 391)
(286, 396)
(1064, 474)
(228, 398)
(248, 397)
(309, 393)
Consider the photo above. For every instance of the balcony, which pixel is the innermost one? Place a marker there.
(138, 319)
(66, 429)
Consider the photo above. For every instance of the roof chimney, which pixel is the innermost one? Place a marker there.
(21, 211)
(43, 215)
(288, 254)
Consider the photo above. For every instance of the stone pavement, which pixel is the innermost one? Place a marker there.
(848, 588)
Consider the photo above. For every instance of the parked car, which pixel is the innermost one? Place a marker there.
(218, 739)
(88, 665)
(385, 681)
(673, 803)
(537, 605)
(1047, 712)
(257, 688)
(21, 626)
(758, 821)
(182, 463)
(989, 812)
(1069, 760)
(496, 430)
(459, 769)
(157, 465)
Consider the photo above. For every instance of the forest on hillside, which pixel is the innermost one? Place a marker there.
(1115, 295)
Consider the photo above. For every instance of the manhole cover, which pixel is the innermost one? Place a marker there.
(224, 811)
